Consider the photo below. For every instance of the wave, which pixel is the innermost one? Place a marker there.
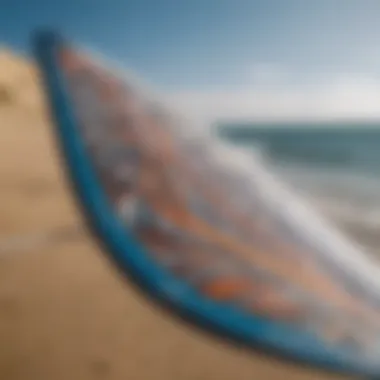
(346, 212)
(349, 200)
(355, 148)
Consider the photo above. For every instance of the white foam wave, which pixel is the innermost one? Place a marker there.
(346, 212)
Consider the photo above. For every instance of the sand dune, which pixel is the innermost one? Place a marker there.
(65, 312)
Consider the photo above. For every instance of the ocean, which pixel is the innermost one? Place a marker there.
(334, 167)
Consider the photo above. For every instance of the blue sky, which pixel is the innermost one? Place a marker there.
(219, 45)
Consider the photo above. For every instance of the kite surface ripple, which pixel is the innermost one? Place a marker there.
(214, 244)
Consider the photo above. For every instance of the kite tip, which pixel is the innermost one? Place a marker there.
(43, 38)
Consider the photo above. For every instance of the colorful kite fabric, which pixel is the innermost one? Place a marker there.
(215, 242)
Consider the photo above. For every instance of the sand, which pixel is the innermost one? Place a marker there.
(65, 312)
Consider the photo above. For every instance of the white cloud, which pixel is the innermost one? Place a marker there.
(345, 96)
(267, 74)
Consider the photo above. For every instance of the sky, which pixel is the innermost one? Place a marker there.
(232, 59)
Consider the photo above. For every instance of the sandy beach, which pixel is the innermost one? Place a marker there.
(65, 311)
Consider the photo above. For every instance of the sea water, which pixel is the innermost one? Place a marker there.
(335, 167)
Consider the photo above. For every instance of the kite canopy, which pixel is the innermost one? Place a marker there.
(220, 243)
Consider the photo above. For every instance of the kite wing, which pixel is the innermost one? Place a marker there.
(223, 245)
